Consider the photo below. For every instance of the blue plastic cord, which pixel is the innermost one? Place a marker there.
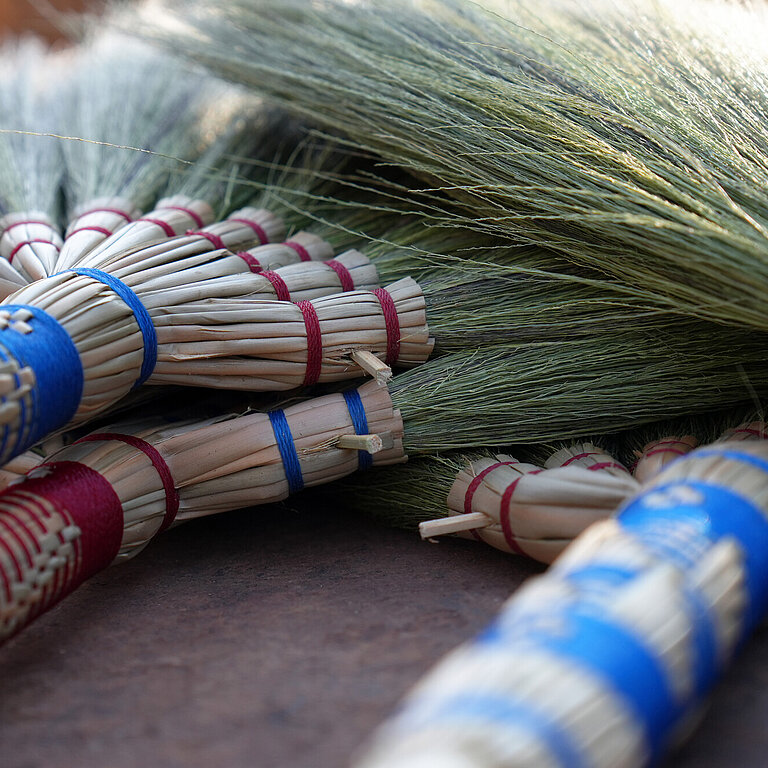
(359, 422)
(287, 449)
(51, 354)
(601, 580)
(143, 320)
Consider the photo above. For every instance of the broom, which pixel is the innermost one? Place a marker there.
(641, 156)
(130, 481)
(606, 659)
(535, 507)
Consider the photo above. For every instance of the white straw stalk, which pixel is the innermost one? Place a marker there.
(15, 469)
(101, 500)
(524, 510)
(603, 661)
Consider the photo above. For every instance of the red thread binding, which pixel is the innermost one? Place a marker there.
(158, 462)
(29, 221)
(392, 324)
(257, 228)
(251, 261)
(760, 433)
(606, 465)
(300, 249)
(475, 484)
(314, 343)
(29, 242)
(215, 240)
(345, 278)
(85, 499)
(164, 225)
(192, 215)
(101, 230)
(281, 289)
(578, 456)
(116, 211)
(506, 522)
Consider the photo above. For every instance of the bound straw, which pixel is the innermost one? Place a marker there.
(139, 480)
(603, 661)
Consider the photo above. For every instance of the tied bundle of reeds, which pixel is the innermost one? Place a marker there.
(137, 117)
(103, 498)
(640, 155)
(537, 506)
(603, 661)
(259, 458)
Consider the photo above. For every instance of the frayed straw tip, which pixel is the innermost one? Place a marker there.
(374, 367)
(454, 524)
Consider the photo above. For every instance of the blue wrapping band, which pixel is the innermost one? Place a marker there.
(608, 651)
(50, 352)
(696, 516)
(505, 711)
(287, 449)
(602, 579)
(359, 422)
(143, 320)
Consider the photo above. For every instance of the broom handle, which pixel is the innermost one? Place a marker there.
(57, 529)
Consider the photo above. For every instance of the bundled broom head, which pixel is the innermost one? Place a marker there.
(639, 154)
(622, 588)
(104, 497)
(538, 392)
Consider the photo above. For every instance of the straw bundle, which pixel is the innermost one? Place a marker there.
(603, 661)
(465, 399)
(103, 323)
(102, 499)
(639, 155)
(122, 95)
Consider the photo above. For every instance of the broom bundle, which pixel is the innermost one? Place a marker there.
(603, 661)
(103, 498)
(119, 96)
(103, 327)
(466, 399)
(638, 155)
(538, 506)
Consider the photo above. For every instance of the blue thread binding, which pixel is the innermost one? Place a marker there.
(689, 525)
(359, 422)
(143, 320)
(600, 579)
(615, 655)
(506, 711)
(287, 449)
(51, 354)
